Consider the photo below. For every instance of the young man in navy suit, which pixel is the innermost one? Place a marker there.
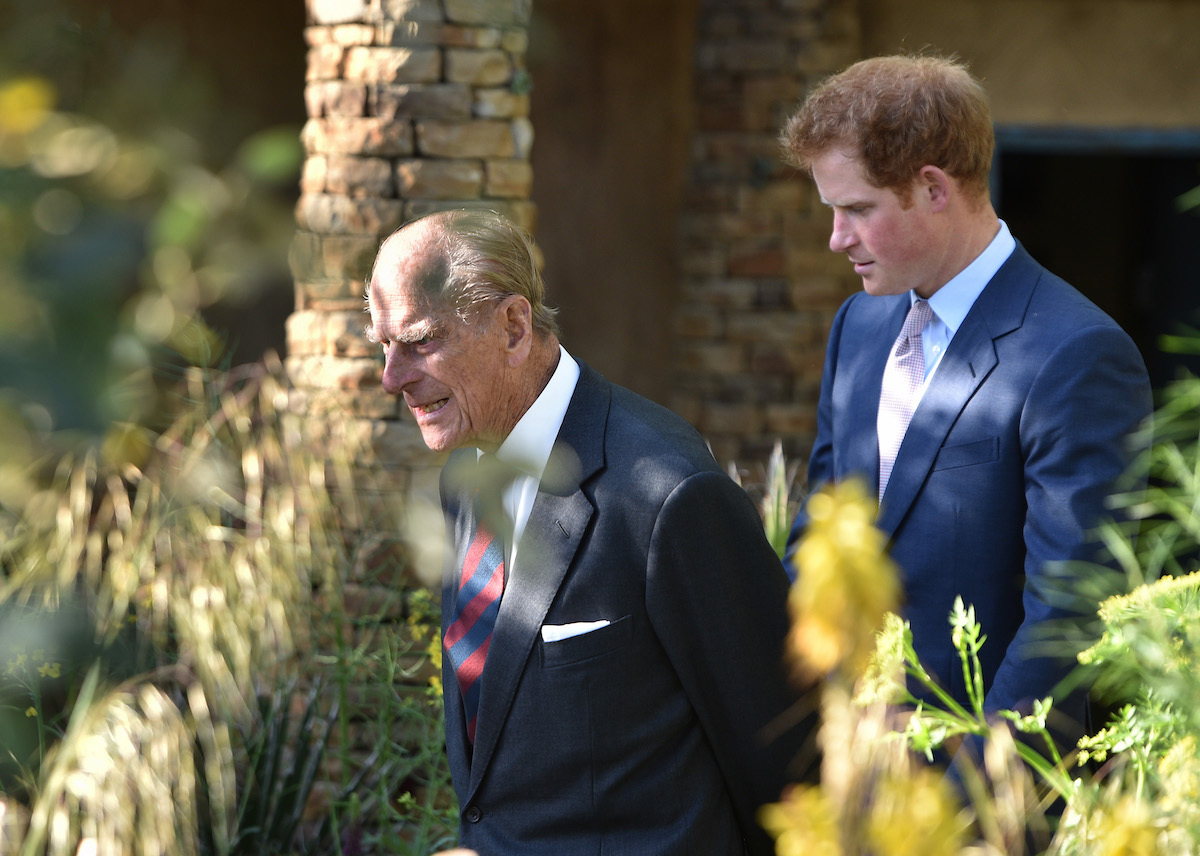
(1023, 395)
(614, 622)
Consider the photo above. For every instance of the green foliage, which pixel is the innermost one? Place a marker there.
(777, 495)
(120, 220)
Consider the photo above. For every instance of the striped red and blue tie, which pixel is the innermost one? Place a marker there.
(478, 601)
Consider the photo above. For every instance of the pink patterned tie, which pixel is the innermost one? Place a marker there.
(902, 379)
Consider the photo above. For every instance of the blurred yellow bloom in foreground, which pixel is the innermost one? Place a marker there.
(24, 104)
(1124, 829)
(805, 823)
(915, 815)
(845, 583)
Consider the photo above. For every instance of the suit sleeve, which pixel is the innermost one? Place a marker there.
(1075, 436)
(820, 462)
(717, 596)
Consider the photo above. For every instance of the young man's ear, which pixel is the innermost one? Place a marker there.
(935, 185)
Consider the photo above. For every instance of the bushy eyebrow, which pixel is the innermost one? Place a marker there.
(412, 334)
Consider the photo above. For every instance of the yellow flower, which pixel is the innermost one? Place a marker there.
(31, 711)
(1179, 773)
(915, 815)
(15, 664)
(804, 824)
(1126, 828)
(50, 670)
(883, 680)
(845, 583)
(24, 104)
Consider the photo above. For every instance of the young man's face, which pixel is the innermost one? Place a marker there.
(893, 246)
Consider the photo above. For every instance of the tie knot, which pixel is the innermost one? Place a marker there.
(918, 316)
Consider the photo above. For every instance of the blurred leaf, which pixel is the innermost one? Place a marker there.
(273, 155)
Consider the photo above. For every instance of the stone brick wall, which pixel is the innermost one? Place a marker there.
(413, 106)
(759, 285)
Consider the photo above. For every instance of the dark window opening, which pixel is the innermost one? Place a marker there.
(1107, 219)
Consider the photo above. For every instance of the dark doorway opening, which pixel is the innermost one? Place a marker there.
(1104, 213)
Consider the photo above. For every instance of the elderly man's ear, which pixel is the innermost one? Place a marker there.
(516, 316)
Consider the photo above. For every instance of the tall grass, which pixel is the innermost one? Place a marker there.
(186, 593)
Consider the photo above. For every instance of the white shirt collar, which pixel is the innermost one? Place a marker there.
(531, 440)
(954, 300)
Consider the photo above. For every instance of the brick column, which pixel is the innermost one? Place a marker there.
(759, 287)
(414, 106)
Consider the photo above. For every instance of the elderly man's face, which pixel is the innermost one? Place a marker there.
(453, 374)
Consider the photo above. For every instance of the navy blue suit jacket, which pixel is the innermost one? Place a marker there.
(659, 733)
(1005, 467)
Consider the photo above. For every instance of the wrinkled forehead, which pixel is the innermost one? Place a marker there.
(409, 276)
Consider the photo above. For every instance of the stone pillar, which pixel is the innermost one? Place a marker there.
(759, 287)
(413, 106)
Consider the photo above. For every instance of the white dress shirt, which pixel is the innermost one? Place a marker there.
(952, 302)
(528, 446)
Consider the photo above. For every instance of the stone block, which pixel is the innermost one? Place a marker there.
(421, 100)
(358, 177)
(722, 358)
(324, 62)
(312, 175)
(481, 138)
(314, 36)
(335, 214)
(336, 11)
(410, 33)
(412, 10)
(735, 418)
(522, 132)
(393, 64)
(478, 67)
(363, 403)
(345, 334)
(697, 322)
(508, 178)
(352, 34)
(515, 41)
(456, 36)
(790, 420)
(330, 372)
(490, 13)
(332, 292)
(523, 212)
(757, 259)
(335, 98)
(367, 136)
(439, 179)
(499, 103)
(349, 255)
(305, 333)
(304, 256)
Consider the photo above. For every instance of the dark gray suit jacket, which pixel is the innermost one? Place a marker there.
(660, 733)
(1004, 471)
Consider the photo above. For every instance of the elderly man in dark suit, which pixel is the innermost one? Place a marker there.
(614, 620)
(1021, 393)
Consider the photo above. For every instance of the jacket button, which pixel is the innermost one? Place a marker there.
(473, 814)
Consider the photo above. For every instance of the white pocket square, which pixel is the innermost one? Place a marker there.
(558, 632)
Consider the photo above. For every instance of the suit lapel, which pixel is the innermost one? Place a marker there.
(552, 537)
(971, 357)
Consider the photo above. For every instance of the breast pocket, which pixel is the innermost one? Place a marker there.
(968, 454)
(587, 646)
